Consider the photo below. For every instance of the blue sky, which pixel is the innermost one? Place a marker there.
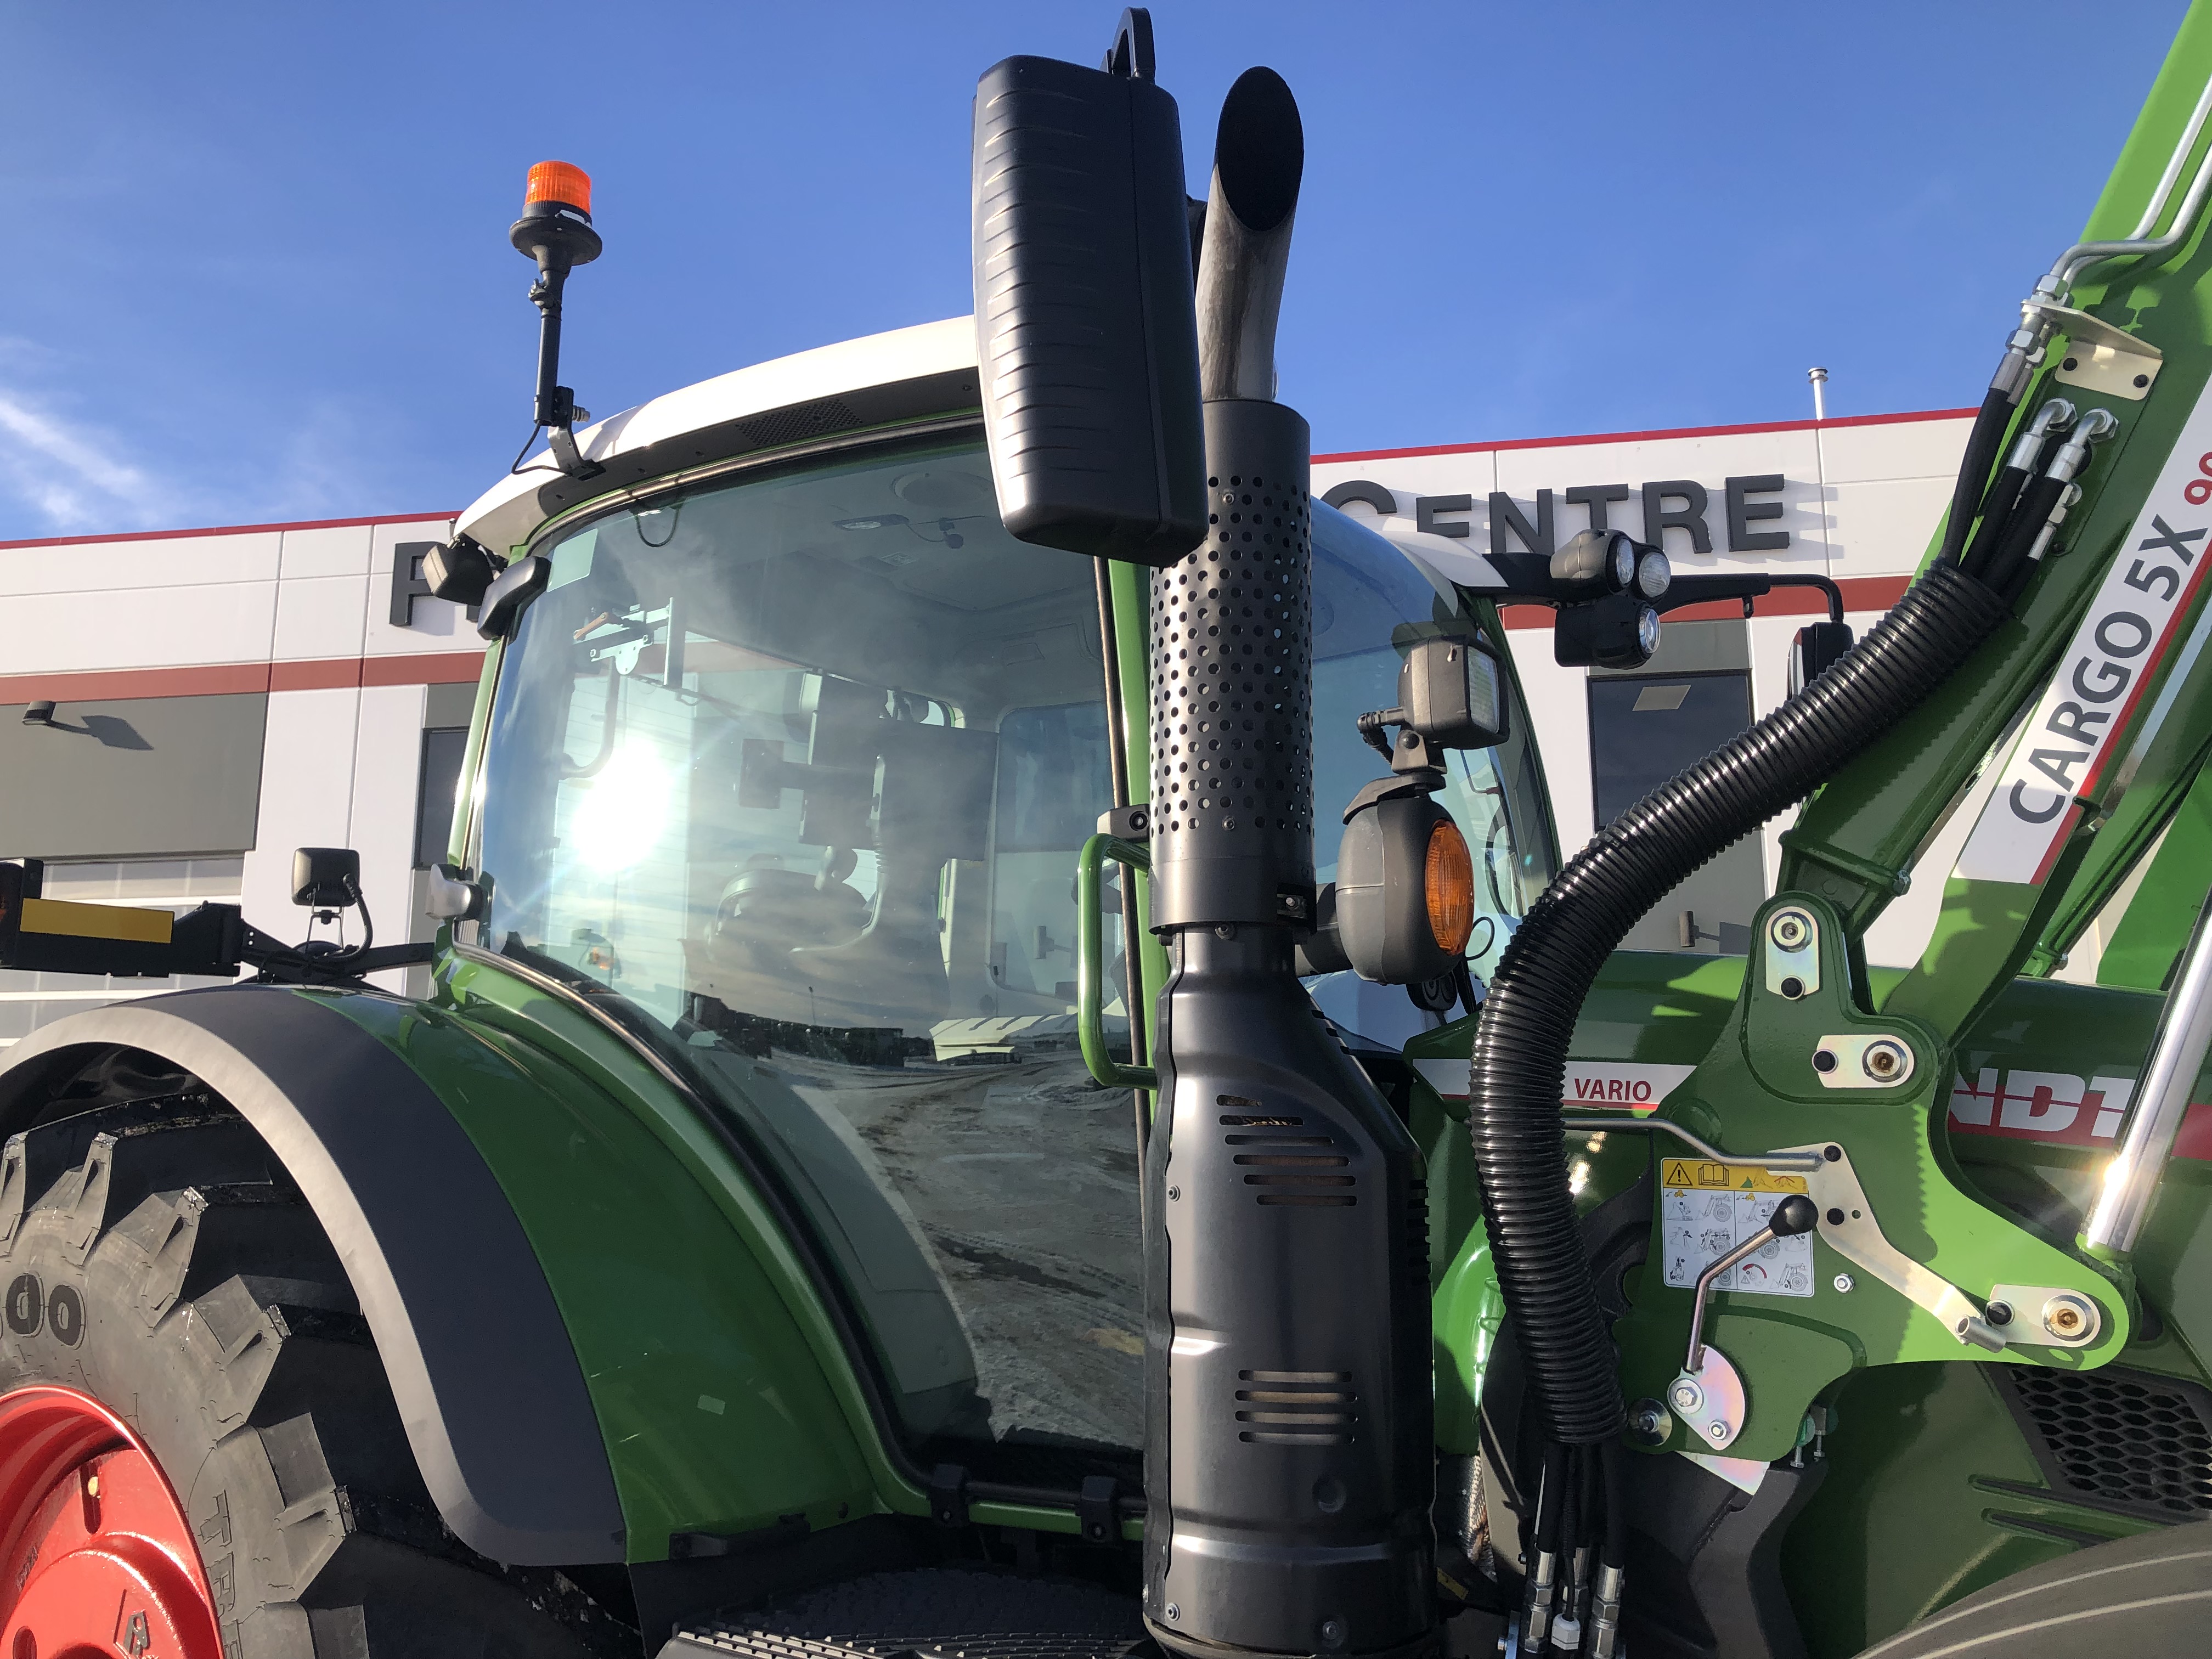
(257, 266)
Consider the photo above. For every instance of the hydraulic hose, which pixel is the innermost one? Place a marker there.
(1519, 1063)
(1612, 1467)
(1982, 441)
(2021, 530)
(1996, 513)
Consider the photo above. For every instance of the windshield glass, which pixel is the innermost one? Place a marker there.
(798, 766)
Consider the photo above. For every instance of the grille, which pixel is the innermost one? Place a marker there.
(788, 425)
(1296, 1408)
(1416, 1231)
(2118, 1438)
(932, 1613)
(1232, 706)
(721, 1638)
(1286, 1166)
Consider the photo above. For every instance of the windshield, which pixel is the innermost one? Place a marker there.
(798, 766)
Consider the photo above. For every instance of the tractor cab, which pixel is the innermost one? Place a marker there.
(789, 761)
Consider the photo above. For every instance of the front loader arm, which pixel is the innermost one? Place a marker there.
(2128, 548)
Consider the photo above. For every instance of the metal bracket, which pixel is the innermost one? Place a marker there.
(1127, 823)
(1793, 953)
(1847, 1222)
(1097, 1513)
(1864, 1060)
(2044, 1315)
(948, 1495)
(1710, 1401)
(2099, 357)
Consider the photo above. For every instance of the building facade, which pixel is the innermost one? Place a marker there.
(220, 697)
(1855, 500)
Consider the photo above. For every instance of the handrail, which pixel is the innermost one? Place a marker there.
(1775, 1162)
(1089, 963)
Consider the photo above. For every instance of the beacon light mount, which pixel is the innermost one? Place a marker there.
(555, 231)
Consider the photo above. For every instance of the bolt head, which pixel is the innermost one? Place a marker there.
(1998, 1313)
(1173, 1611)
(1719, 1431)
(1790, 930)
(1886, 1061)
(2067, 1317)
(1844, 1284)
(1687, 1395)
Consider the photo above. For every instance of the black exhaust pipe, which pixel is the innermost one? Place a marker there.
(1288, 1410)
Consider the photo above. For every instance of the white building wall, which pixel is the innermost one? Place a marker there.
(1861, 499)
(300, 611)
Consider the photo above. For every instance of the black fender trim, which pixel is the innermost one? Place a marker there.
(477, 1354)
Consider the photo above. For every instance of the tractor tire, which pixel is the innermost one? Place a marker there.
(154, 1256)
(2148, 1596)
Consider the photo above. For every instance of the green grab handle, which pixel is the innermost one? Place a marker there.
(1089, 963)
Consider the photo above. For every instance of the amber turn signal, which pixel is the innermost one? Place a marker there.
(1449, 881)
(560, 182)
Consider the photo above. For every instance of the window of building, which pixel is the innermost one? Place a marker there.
(1645, 729)
(442, 748)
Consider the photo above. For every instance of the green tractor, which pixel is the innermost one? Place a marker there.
(914, 1146)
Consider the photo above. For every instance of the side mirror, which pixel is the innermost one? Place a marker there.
(461, 571)
(326, 878)
(1405, 884)
(1085, 335)
(513, 588)
(1818, 648)
(1452, 691)
(451, 895)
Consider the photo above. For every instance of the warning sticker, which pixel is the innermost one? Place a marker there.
(1707, 1209)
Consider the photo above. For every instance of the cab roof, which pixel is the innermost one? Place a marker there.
(879, 380)
(875, 380)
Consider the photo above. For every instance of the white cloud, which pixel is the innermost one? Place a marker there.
(77, 476)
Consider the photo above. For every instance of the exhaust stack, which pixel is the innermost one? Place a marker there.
(1288, 1433)
(1259, 162)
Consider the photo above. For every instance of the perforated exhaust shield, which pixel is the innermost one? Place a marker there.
(1288, 1399)
(1231, 685)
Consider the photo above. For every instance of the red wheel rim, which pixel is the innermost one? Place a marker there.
(96, 1557)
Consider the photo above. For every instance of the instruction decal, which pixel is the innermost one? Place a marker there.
(1707, 1209)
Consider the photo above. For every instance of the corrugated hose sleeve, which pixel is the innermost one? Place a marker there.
(1519, 1062)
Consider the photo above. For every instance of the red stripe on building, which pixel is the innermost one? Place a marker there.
(227, 680)
(232, 529)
